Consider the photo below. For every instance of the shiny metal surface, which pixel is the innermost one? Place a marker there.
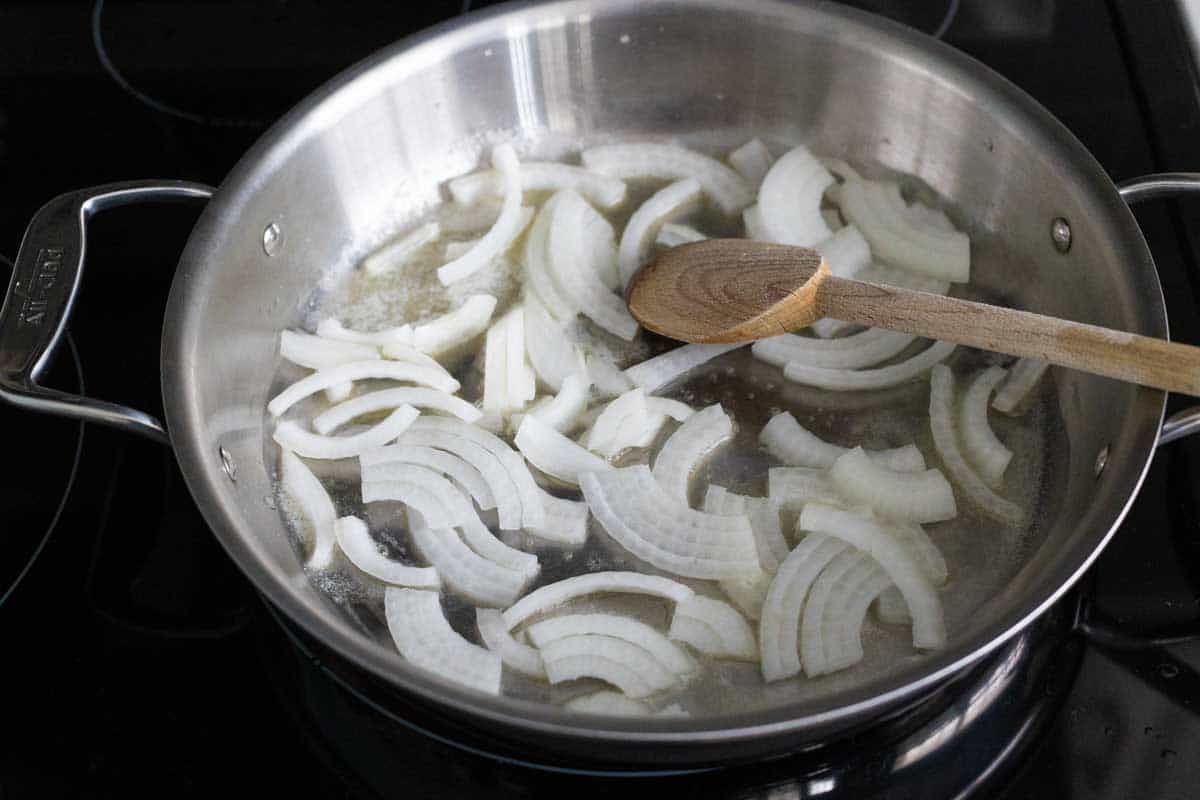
(42, 292)
(369, 150)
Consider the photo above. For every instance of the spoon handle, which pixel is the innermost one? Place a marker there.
(1090, 348)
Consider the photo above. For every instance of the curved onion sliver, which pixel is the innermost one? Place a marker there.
(565, 521)
(672, 234)
(298, 482)
(752, 161)
(796, 446)
(418, 396)
(654, 373)
(621, 424)
(316, 352)
(626, 666)
(290, 436)
(752, 222)
(831, 581)
(538, 280)
(631, 630)
(519, 657)
(541, 176)
(553, 453)
(501, 235)
(982, 449)
(449, 464)
(331, 328)
(913, 496)
(607, 702)
(844, 618)
(850, 352)
(928, 556)
(891, 608)
(845, 380)
(734, 636)
(791, 487)
(551, 354)
(387, 258)
(846, 252)
(1022, 377)
(703, 432)
(607, 379)
(357, 371)
(508, 382)
(480, 539)
(563, 412)
(455, 328)
(424, 637)
(724, 186)
(666, 204)
(398, 351)
(424, 491)
(554, 594)
(778, 630)
(355, 541)
(789, 199)
(481, 581)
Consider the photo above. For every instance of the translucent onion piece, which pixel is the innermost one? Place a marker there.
(516, 656)
(688, 446)
(397, 351)
(355, 541)
(840, 168)
(551, 354)
(332, 329)
(608, 380)
(791, 487)
(626, 413)
(539, 176)
(1022, 377)
(733, 632)
(929, 627)
(501, 235)
(879, 211)
(891, 608)
(845, 617)
(696, 633)
(655, 373)
(553, 453)
(425, 638)
(680, 412)
(456, 328)
(626, 666)
(339, 392)
(669, 203)
(565, 521)
(456, 249)
(831, 216)
(480, 539)
(789, 199)
(298, 482)
(660, 530)
(851, 352)
(563, 412)
(607, 702)
(481, 581)
(424, 491)
(945, 440)
(357, 371)
(831, 581)
(986, 453)
(914, 496)
(925, 216)
(290, 436)
(420, 397)
(555, 594)
(724, 186)
(779, 628)
(752, 221)
(764, 520)
(387, 258)
(619, 627)
(848, 380)
(315, 352)
(796, 446)
(751, 161)
(916, 541)
(846, 252)
(539, 281)
(748, 594)
(577, 231)
(672, 234)
(449, 464)
(508, 382)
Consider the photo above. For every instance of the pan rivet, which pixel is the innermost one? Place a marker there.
(1060, 234)
(1101, 461)
(272, 239)
(227, 464)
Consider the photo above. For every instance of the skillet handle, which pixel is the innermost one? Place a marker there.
(42, 291)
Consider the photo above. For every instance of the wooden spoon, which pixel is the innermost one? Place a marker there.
(736, 290)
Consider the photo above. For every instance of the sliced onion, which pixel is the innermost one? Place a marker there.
(764, 520)
(657, 372)
(914, 496)
(449, 464)
(357, 371)
(456, 328)
(753, 223)
(458, 249)
(332, 329)
(420, 397)
(563, 412)
(481, 581)
(879, 211)
(935, 219)
(565, 521)
(516, 656)
(298, 482)
(355, 541)
(946, 441)
(626, 666)
(891, 607)
(607, 702)
(508, 382)
(752, 161)
(409, 354)
(425, 638)
(789, 199)
(621, 420)
(424, 491)
(669, 203)
(778, 630)
(539, 281)
(851, 352)
(501, 235)
(831, 216)
(541, 176)
(821, 597)
(929, 627)
(986, 453)
(838, 628)
(688, 446)
(555, 594)
(846, 252)
(315, 352)
(551, 354)
(290, 436)
(845, 380)
(553, 453)
(1022, 377)
(619, 627)
(660, 530)
(913, 538)
(796, 446)
(672, 234)
(680, 412)
(481, 539)
(606, 378)
(791, 487)
(747, 594)
(735, 637)
(627, 161)
(387, 258)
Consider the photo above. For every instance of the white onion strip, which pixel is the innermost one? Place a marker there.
(778, 630)
(928, 556)
(481, 581)
(846, 380)
(501, 234)
(539, 176)
(538, 279)
(455, 328)
(752, 161)
(796, 446)
(846, 252)
(551, 354)
(863, 349)
(764, 520)
(553, 453)
(789, 199)
(290, 436)
(331, 328)
(626, 666)
(734, 636)
(607, 702)
(425, 638)
(422, 490)
(607, 379)
(449, 464)
(387, 258)
(619, 627)
(680, 412)
(355, 540)
(672, 234)
(703, 432)
(891, 608)
(628, 161)
(821, 597)
(945, 440)
(315, 352)
(555, 594)
(844, 620)
(666, 204)
(508, 382)
(655, 373)
(1022, 377)
(563, 412)
(982, 448)
(565, 521)
(357, 371)
(791, 487)
(297, 481)
(620, 423)
(516, 656)
(913, 496)
(384, 399)
(481, 539)
(398, 351)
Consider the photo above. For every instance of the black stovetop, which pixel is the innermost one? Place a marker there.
(136, 657)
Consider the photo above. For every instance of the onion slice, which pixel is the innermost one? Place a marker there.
(553, 453)
(983, 450)
(891, 607)
(628, 161)
(796, 446)
(565, 521)
(516, 656)
(315, 352)
(789, 199)
(398, 351)
(845, 380)
(863, 349)
(791, 487)
(540, 176)
(817, 605)
(357, 371)
(455, 329)
(539, 282)
(508, 382)
(449, 464)
(330, 328)
(626, 666)
(551, 354)
(425, 638)
(481, 581)
(655, 373)
(424, 491)
(501, 235)
(387, 258)
(831, 631)
(481, 539)
(764, 520)
(666, 204)
(552, 595)
(945, 440)
(913, 496)
(734, 637)
(355, 540)
(688, 446)
(623, 423)
(299, 483)
(619, 627)
(384, 399)
(1022, 377)
(672, 234)
(563, 412)
(290, 436)
(752, 161)
(609, 703)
